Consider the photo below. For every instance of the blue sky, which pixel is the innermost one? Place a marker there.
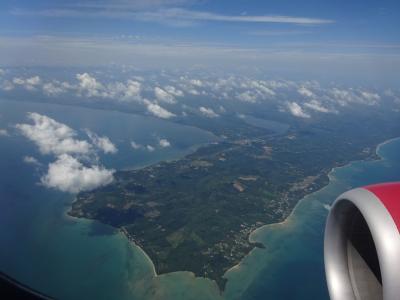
(352, 22)
(309, 32)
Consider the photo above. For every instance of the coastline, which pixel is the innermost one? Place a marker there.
(287, 220)
(372, 157)
(132, 241)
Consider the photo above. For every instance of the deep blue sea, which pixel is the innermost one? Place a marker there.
(70, 258)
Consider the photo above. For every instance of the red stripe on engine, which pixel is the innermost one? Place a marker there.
(389, 194)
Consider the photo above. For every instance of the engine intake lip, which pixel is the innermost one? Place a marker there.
(385, 236)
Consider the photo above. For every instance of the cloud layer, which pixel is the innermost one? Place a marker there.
(177, 95)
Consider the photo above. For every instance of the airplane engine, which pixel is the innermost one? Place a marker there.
(362, 244)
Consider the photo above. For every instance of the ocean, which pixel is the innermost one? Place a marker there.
(70, 258)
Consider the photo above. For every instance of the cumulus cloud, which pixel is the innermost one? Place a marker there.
(6, 85)
(371, 98)
(129, 91)
(247, 97)
(158, 111)
(193, 92)
(67, 174)
(314, 97)
(196, 82)
(163, 96)
(28, 83)
(173, 91)
(208, 112)
(53, 137)
(164, 143)
(54, 88)
(150, 148)
(345, 97)
(305, 92)
(88, 85)
(135, 145)
(133, 89)
(261, 88)
(296, 110)
(102, 142)
(391, 94)
(317, 106)
(33, 80)
(3, 132)
(342, 97)
(30, 160)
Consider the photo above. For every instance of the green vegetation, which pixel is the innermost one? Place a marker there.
(196, 214)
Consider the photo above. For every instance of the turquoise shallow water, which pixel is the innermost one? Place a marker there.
(291, 266)
(72, 258)
(80, 259)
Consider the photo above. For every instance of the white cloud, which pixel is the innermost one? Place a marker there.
(6, 86)
(150, 148)
(296, 110)
(31, 161)
(67, 174)
(247, 97)
(177, 16)
(89, 85)
(133, 89)
(158, 111)
(345, 97)
(184, 14)
(135, 145)
(193, 92)
(305, 92)
(342, 97)
(208, 112)
(174, 91)
(129, 91)
(163, 96)
(102, 142)
(196, 82)
(18, 81)
(53, 88)
(261, 88)
(53, 137)
(164, 143)
(2, 72)
(33, 80)
(3, 132)
(317, 106)
(28, 83)
(390, 93)
(371, 98)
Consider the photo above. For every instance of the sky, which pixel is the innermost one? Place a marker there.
(311, 37)
(185, 60)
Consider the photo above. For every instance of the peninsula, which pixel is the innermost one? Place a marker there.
(196, 213)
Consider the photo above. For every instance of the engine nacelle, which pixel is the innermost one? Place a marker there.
(362, 244)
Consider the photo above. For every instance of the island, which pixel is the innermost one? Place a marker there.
(196, 213)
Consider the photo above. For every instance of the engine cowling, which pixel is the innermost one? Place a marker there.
(362, 244)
